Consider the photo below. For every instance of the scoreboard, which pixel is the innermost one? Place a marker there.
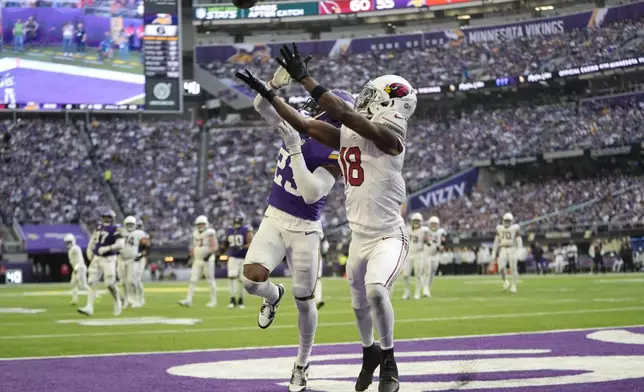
(131, 60)
(162, 55)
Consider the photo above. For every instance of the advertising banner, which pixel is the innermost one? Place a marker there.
(49, 238)
(452, 188)
(270, 10)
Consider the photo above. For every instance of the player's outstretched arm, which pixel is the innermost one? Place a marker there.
(385, 138)
(319, 130)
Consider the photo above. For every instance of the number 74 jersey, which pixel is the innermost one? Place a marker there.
(374, 185)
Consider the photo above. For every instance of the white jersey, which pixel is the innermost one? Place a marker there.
(417, 238)
(436, 238)
(75, 255)
(131, 246)
(571, 251)
(507, 235)
(374, 185)
(201, 242)
(8, 82)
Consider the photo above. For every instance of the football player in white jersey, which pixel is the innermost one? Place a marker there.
(372, 152)
(418, 235)
(8, 83)
(202, 251)
(79, 273)
(433, 247)
(126, 263)
(506, 243)
(138, 267)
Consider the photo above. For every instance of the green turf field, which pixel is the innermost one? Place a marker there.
(460, 306)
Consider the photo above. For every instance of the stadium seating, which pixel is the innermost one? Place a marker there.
(450, 63)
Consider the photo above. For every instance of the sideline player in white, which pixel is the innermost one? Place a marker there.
(305, 173)
(418, 236)
(8, 83)
(126, 260)
(506, 243)
(324, 250)
(434, 247)
(79, 273)
(138, 267)
(372, 151)
(202, 251)
(103, 247)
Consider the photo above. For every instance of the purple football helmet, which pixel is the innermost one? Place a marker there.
(107, 217)
(316, 111)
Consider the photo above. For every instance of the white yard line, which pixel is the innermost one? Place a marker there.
(317, 344)
(128, 100)
(331, 324)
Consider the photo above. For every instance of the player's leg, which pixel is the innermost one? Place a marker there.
(139, 281)
(430, 268)
(502, 263)
(356, 268)
(209, 272)
(120, 273)
(383, 267)
(233, 277)
(264, 254)
(514, 265)
(93, 279)
(195, 275)
(319, 301)
(130, 275)
(407, 269)
(108, 265)
(74, 283)
(12, 96)
(417, 263)
(303, 258)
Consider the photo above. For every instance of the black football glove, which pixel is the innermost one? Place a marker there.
(293, 63)
(253, 82)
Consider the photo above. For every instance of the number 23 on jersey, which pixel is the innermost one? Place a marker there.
(351, 164)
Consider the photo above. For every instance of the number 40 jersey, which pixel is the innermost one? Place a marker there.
(284, 194)
(236, 238)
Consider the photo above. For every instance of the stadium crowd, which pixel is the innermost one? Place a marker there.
(153, 167)
(461, 61)
(481, 211)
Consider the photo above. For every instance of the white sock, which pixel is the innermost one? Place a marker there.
(382, 313)
(502, 272)
(419, 285)
(75, 293)
(265, 289)
(240, 289)
(191, 291)
(365, 326)
(407, 279)
(232, 287)
(307, 322)
(318, 291)
(141, 291)
(213, 290)
(91, 295)
(515, 275)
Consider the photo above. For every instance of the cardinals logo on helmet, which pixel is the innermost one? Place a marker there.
(397, 90)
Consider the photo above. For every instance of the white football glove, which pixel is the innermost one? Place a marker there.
(291, 137)
(104, 249)
(281, 78)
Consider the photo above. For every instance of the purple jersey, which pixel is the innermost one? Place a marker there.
(284, 195)
(107, 235)
(236, 238)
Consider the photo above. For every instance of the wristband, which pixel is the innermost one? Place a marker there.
(317, 92)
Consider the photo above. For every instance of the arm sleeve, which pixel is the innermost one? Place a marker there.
(312, 186)
(266, 110)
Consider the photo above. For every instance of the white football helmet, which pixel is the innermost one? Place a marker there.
(387, 93)
(70, 240)
(434, 222)
(129, 223)
(416, 219)
(201, 222)
(507, 219)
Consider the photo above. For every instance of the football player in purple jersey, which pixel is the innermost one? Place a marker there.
(103, 247)
(305, 173)
(238, 239)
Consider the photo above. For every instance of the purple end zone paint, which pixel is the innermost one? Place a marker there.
(579, 361)
(52, 87)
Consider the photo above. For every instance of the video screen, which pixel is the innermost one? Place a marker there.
(72, 54)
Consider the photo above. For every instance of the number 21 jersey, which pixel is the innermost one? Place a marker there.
(374, 185)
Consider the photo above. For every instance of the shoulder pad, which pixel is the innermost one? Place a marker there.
(394, 121)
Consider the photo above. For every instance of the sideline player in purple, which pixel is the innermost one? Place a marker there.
(103, 247)
(305, 173)
(238, 239)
